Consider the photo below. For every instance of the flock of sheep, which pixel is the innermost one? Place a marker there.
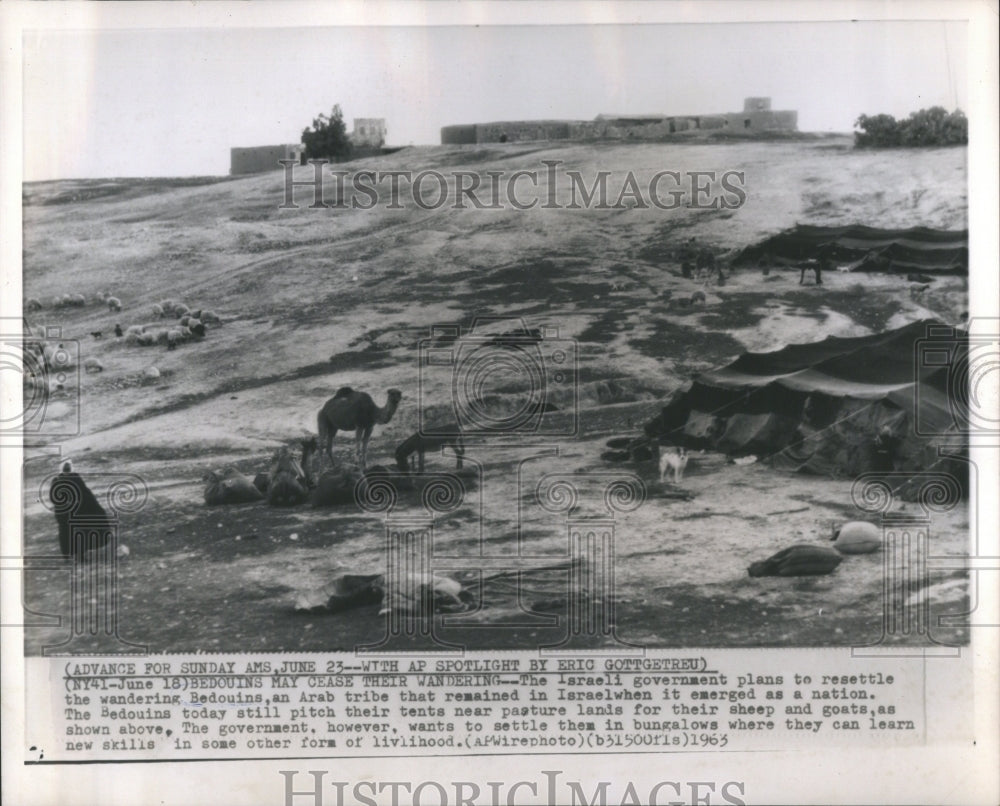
(191, 325)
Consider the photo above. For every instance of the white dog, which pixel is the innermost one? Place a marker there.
(677, 459)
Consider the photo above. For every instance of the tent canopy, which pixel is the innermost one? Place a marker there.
(840, 406)
(918, 249)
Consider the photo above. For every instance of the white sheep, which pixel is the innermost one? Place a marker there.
(184, 320)
(210, 318)
(180, 309)
(93, 364)
(174, 337)
(168, 306)
(162, 336)
(146, 339)
(76, 300)
(158, 311)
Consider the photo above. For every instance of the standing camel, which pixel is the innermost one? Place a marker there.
(349, 410)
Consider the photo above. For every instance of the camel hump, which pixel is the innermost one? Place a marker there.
(344, 391)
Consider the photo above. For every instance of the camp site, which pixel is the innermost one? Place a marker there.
(713, 387)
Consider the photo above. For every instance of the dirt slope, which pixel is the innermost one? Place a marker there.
(315, 299)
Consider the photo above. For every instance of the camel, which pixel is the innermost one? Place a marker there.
(421, 443)
(350, 410)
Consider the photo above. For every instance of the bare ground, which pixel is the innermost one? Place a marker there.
(312, 300)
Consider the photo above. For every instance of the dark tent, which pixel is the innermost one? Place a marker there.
(838, 407)
(918, 249)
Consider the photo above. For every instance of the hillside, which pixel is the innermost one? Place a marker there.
(312, 300)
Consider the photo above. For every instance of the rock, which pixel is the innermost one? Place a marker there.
(801, 559)
(857, 537)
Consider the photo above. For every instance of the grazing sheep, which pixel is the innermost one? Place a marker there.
(77, 300)
(162, 336)
(158, 311)
(698, 296)
(136, 329)
(229, 487)
(32, 304)
(210, 318)
(174, 337)
(93, 364)
(196, 314)
(168, 306)
(114, 304)
(180, 309)
(184, 320)
(147, 339)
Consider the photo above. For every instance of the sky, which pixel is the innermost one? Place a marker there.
(105, 103)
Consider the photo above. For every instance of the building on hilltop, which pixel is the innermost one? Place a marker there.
(756, 117)
(258, 159)
(370, 132)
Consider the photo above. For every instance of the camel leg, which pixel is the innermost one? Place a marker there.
(359, 447)
(328, 447)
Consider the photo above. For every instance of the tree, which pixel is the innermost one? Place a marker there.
(327, 138)
(926, 127)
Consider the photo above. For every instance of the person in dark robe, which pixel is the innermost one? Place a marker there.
(72, 501)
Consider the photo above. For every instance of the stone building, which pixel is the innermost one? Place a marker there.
(369, 132)
(257, 159)
(756, 117)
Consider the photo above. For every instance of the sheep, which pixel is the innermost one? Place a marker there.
(180, 309)
(168, 306)
(196, 328)
(146, 339)
(174, 337)
(158, 311)
(210, 318)
(184, 320)
(151, 373)
(114, 304)
(697, 296)
(32, 304)
(76, 300)
(162, 336)
(93, 364)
